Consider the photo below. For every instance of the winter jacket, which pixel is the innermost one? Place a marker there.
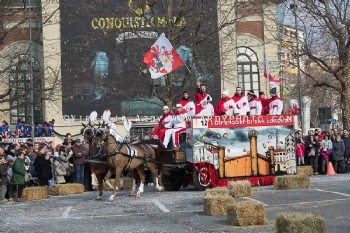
(346, 141)
(3, 174)
(328, 142)
(338, 151)
(300, 149)
(60, 172)
(43, 167)
(64, 158)
(312, 147)
(325, 154)
(79, 154)
(18, 172)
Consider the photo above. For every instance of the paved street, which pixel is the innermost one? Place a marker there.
(174, 211)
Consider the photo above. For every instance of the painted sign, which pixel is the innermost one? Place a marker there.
(246, 139)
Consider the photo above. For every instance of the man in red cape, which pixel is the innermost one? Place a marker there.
(164, 124)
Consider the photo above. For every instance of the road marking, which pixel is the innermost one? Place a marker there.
(309, 202)
(252, 199)
(161, 206)
(343, 194)
(66, 212)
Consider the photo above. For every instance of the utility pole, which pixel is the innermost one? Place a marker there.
(31, 71)
(294, 8)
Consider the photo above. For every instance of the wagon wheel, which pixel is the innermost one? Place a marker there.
(172, 182)
(201, 178)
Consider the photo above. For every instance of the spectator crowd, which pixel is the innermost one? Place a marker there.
(318, 148)
(22, 165)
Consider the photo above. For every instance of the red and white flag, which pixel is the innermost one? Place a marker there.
(162, 58)
(272, 81)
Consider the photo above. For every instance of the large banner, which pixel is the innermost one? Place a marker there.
(103, 44)
(265, 138)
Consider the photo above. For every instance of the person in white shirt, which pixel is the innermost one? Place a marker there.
(276, 103)
(254, 104)
(179, 126)
(241, 101)
(188, 104)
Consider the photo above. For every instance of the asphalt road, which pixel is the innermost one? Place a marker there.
(174, 211)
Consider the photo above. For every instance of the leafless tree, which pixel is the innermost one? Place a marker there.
(17, 66)
(326, 47)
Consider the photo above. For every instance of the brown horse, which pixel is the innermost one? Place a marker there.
(120, 158)
(100, 169)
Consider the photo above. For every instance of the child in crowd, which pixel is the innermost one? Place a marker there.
(299, 149)
(325, 155)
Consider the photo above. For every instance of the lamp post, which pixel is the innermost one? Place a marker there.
(31, 72)
(294, 8)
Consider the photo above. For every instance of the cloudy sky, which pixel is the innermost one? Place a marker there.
(236, 140)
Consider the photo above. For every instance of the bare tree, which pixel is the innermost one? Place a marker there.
(326, 45)
(22, 69)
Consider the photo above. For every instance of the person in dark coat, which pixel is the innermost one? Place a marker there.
(43, 167)
(3, 179)
(79, 154)
(338, 151)
(18, 177)
(312, 146)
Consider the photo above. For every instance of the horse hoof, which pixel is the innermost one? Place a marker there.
(160, 189)
(131, 194)
(98, 198)
(111, 199)
(138, 194)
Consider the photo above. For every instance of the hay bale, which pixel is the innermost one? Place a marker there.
(35, 193)
(127, 183)
(242, 188)
(217, 191)
(305, 170)
(291, 182)
(66, 189)
(216, 205)
(300, 223)
(246, 213)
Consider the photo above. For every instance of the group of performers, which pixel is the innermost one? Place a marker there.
(172, 125)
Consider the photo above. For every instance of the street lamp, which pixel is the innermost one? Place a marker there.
(294, 7)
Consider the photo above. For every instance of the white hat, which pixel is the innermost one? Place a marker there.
(165, 108)
(225, 92)
(179, 106)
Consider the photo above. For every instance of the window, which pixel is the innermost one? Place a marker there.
(247, 70)
(20, 82)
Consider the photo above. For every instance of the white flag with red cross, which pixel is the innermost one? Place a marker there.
(272, 81)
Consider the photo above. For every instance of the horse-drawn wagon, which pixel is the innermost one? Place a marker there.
(212, 152)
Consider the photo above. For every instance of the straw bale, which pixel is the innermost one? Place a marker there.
(305, 170)
(127, 183)
(291, 182)
(216, 205)
(300, 223)
(35, 193)
(242, 188)
(246, 213)
(217, 191)
(66, 189)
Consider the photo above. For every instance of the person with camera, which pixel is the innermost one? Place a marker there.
(65, 154)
